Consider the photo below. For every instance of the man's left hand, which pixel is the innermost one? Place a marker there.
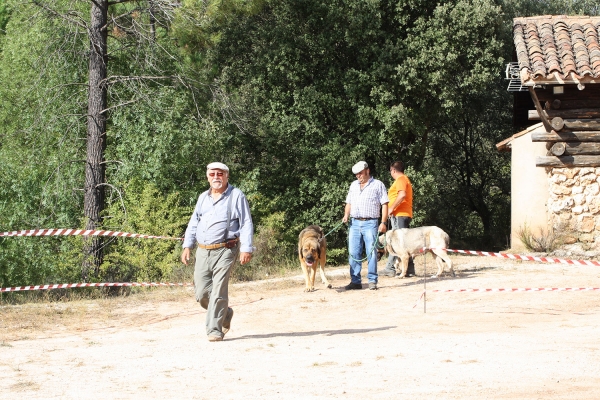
(382, 227)
(245, 258)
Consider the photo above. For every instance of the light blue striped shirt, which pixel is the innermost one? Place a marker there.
(208, 222)
(367, 202)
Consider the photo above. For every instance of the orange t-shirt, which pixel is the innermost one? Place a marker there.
(404, 209)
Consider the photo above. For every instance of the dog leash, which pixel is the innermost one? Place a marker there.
(334, 228)
(375, 243)
(373, 251)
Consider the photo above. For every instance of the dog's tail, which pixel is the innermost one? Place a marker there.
(446, 238)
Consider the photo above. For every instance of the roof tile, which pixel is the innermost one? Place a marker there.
(560, 45)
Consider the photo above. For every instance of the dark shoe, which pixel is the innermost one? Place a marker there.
(410, 271)
(372, 286)
(227, 321)
(353, 286)
(388, 272)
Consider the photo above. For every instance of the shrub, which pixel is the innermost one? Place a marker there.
(145, 211)
(545, 242)
(273, 254)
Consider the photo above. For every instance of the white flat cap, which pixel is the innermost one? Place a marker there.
(359, 166)
(217, 165)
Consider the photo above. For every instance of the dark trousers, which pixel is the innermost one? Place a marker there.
(399, 223)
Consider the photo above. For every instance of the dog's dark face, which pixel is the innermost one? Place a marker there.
(310, 252)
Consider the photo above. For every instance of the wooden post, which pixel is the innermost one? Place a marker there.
(567, 161)
(538, 107)
(558, 149)
(557, 123)
(566, 136)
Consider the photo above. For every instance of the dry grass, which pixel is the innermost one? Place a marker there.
(21, 321)
(543, 242)
(49, 313)
(25, 386)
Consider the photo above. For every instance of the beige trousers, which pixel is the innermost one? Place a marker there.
(211, 283)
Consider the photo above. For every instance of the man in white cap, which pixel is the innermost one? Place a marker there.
(221, 227)
(367, 200)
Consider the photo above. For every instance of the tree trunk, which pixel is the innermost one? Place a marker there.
(152, 20)
(96, 136)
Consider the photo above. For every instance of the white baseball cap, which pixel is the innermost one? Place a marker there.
(359, 166)
(217, 165)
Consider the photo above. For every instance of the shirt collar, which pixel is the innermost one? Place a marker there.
(369, 181)
(225, 193)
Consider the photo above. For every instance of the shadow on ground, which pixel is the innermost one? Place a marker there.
(313, 333)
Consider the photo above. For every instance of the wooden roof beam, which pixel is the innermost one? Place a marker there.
(539, 109)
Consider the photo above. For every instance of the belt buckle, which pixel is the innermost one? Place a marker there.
(231, 243)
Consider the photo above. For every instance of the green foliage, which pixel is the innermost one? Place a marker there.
(43, 99)
(273, 255)
(530, 8)
(5, 12)
(41, 167)
(312, 98)
(144, 210)
(290, 94)
(277, 251)
(198, 21)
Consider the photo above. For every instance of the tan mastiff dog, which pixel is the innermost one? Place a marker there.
(312, 248)
(409, 242)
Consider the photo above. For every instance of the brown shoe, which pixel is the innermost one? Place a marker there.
(227, 321)
(215, 338)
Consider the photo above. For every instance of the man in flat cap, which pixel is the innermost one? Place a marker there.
(367, 200)
(221, 227)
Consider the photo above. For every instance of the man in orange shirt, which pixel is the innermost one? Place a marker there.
(400, 211)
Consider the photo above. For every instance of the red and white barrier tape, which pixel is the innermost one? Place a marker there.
(80, 232)
(78, 285)
(83, 232)
(521, 257)
(420, 297)
(496, 290)
(549, 289)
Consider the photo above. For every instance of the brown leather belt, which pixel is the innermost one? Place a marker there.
(229, 244)
(364, 219)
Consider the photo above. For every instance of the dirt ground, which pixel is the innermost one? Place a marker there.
(285, 343)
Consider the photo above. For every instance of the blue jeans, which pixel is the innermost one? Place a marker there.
(398, 223)
(361, 239)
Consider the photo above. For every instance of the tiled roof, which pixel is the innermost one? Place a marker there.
(558, 49)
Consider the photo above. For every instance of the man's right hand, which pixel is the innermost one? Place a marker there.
(185, 256)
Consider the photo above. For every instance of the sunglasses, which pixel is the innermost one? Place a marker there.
(212, 174)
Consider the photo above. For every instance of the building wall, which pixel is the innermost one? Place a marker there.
(574, 205)
(529, 189)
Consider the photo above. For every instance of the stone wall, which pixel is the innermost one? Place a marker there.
(574, 205)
